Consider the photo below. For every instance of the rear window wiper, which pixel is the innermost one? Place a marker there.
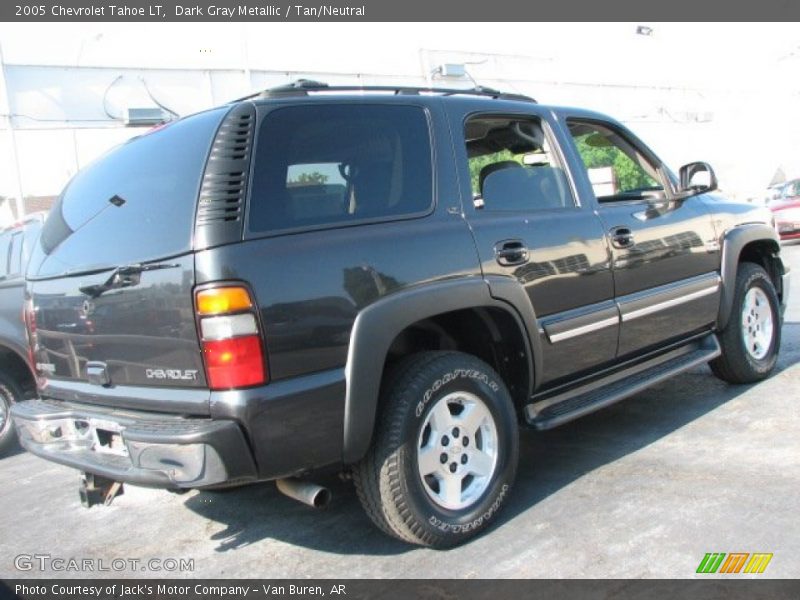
(124, 276)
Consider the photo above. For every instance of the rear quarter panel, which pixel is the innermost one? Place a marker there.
(309, 287)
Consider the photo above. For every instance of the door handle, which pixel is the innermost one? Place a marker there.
(511, 252)
(622, 237)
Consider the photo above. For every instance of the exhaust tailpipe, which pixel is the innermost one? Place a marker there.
(306, 492)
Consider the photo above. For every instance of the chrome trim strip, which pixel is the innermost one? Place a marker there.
(571, 333)
(648, 310)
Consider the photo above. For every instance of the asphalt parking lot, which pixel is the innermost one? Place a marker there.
(642, 489)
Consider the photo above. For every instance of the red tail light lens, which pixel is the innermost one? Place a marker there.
(233, 363)
(229, 333)
(29, 316)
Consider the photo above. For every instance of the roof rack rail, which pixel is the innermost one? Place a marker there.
(301, 87)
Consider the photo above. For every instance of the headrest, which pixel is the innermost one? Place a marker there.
(491, 168)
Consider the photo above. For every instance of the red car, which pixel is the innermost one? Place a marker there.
(787, 211)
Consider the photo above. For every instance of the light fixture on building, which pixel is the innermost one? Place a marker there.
(451, 70)
(143, 117)
(644, 30)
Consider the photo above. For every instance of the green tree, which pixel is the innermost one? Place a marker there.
(630, 176)
(314, 178)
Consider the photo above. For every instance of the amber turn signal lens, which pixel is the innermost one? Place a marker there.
(219, 301)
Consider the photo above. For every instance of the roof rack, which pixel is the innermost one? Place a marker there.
(301, 87)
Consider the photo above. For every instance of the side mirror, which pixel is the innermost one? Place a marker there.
(697, 178)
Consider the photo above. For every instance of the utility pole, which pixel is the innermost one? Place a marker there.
(5, 98)
(248, 80)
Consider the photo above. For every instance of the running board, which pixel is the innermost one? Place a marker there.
(584, 399)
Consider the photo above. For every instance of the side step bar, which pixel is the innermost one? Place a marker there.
(550, 412)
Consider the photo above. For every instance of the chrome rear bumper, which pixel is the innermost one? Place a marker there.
(142, 448)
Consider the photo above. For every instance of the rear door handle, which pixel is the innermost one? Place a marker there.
(622, 237)
(511, 252)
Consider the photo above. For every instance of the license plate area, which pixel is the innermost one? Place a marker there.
(107, 437)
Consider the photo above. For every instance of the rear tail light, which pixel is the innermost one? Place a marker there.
(29, 318)
(234, 363)
(230, 337)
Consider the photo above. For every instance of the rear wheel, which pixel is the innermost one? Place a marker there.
(752, 337)
(10, 393)
(445, 451)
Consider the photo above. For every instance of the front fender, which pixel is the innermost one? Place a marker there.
(733, 241)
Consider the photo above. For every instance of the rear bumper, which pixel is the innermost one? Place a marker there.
(142, 448)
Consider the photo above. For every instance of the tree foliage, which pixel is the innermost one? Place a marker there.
(629, 175)
(314, 178)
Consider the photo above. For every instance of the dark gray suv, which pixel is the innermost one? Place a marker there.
(385, 280)
(16, 374)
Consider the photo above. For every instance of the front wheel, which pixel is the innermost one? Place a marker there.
(445, 451)
(752, 337)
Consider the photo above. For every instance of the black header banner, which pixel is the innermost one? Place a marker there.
(480, 589)
(387, 10)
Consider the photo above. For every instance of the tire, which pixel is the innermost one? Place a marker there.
(402, 483)
(752, 337)
(10, 392)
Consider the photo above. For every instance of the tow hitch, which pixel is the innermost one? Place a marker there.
(94, 489)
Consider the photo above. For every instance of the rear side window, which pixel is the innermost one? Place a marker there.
(340, 164)
(513, 167)
(137, 203)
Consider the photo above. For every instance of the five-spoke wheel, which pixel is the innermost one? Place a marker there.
(752, 336)
(457, 450)
(444, 453)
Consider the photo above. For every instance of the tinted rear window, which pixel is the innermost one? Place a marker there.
(338, 164)
(135, 204)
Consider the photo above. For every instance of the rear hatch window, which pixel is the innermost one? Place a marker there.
(135, 204)
(111, 280)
